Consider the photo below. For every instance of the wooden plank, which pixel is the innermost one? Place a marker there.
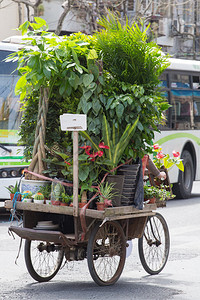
(66, 210)
(130, 216)
(41, 207)
(124, 210)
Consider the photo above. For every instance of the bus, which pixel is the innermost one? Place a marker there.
(11, 155)
(181, 85)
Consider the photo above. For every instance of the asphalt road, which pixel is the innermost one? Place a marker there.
(180, 278)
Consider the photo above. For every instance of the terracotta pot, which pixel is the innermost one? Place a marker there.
(100, 205)
(63, 204)
(152, 200)
(18, 197)
(55, 202)
(80, 205)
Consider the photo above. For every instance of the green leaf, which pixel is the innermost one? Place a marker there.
(119, 110)
(96, 106)
(92, 54)
(24, 27)
(47, 71)
(86, 135)
(83, 172)
(87, 79)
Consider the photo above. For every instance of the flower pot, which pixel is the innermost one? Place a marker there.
(152, 200)
(80, 205)
(48, 201)
(27, 200)
(129, 187)
(100, 205)
(38, 201)
(63, 204)
(18, 197)
(55, 202)
(32, 185)
(118, 180)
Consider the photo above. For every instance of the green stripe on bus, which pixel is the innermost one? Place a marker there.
(11, 157)
(14, 163)
(178, 135)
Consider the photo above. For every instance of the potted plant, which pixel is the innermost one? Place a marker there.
(65, 199)
(12, 190)
(46, 191)
(27, 196)
(153, 193)
(38, 198)
(106, 194)
(57, 189)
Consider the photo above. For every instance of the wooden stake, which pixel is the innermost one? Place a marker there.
(75, 173)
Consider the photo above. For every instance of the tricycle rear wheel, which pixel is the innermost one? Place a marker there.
(106, 253)
(43, 260)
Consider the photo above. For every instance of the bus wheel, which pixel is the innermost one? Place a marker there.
(183, 188)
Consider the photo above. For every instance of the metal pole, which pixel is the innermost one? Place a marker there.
(75, 174)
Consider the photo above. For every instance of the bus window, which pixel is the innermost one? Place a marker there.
(182, 109)
(163, 80)
(195, 82)
(180, 81)
(196, 98)
(10, 114)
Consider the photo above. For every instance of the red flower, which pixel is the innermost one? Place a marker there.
(86, 147)
(67, 163)
(87, 152)
(100, 153)
(156, 146)
(101, 145)
(93, 155)
(176, 153)
(160, 155)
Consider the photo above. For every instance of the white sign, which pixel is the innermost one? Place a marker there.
(73, 122)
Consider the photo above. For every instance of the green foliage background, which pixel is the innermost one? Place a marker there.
(113, 73)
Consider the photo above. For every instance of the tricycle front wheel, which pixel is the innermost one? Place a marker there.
(154, 245)
(43, 260)
(106, 253)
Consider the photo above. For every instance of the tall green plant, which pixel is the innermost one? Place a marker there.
(116, 143)
(127, 55)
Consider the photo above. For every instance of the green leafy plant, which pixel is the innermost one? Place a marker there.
(45, 190)
(106, 192)
(66, 198)
(116, 144)
(57, 189)
(12, 189)
(161, 193)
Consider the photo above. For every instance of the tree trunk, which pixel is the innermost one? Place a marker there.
(37, 164)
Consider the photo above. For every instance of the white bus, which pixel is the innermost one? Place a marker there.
(11, 155)
(181, 83)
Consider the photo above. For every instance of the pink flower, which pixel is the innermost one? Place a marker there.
(156, 146)
(160, 155)
(67, 163)
(176, 153)
(101, 145)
